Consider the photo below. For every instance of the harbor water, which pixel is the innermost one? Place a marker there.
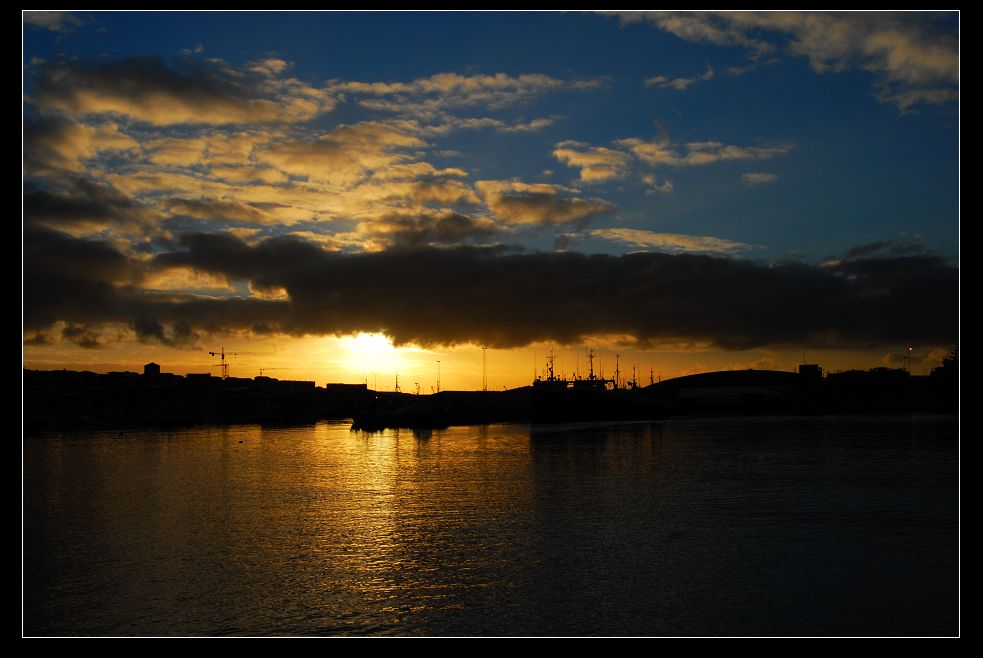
(714, 526)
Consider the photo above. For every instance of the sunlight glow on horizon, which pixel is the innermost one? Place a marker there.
(365, 354)
(371, 358)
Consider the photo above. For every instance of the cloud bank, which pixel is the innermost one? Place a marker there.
(490, 296)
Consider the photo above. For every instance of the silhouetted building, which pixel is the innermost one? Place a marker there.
(151, 370)
(346, 388)
(295, 385)
(121, 377)
(949, 367)
(732, 390)
(810, 370)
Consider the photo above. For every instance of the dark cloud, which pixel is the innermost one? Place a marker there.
(148, 90)
(217, 210)
(235, 259)
(49, 145)
(79, 202)
(910, 247)
(83, 336)
(58, 145)
(88, 282)
(38, 339)
(52, 253)
(178, 334)
(462, 294)
(71, 279)
(565, 241)
(402, 230)
(493, 297)
(869, 249)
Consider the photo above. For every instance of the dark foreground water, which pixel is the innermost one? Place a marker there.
(751, 526)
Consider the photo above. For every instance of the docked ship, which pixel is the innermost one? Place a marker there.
(557, 399)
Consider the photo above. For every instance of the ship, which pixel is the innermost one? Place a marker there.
(591, 398)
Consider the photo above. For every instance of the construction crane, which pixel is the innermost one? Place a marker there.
(224, 364)
(262, 370)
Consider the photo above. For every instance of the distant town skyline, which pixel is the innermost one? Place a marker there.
(343, 196)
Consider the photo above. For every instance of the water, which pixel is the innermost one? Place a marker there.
(754, 526)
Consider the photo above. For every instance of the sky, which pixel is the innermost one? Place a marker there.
(345, 196)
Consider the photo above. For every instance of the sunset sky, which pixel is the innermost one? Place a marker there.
(351, 195)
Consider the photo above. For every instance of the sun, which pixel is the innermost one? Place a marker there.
(370, 353)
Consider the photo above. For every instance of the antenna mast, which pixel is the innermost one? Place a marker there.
(484, 368)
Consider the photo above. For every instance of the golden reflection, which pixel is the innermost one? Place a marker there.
(391, 501)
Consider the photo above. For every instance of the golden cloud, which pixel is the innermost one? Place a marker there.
(673, 242)
(596, 163)
(516, 202)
